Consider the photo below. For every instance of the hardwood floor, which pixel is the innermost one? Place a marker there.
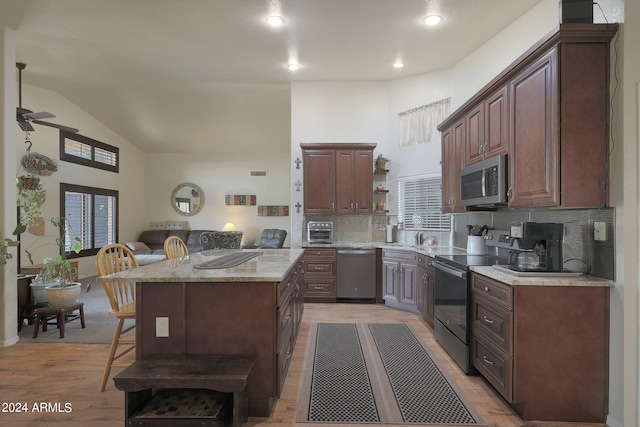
(60, 383)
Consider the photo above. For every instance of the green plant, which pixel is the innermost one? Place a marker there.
(382, 159)
(381, 162)
(30, 197)
(58, 267)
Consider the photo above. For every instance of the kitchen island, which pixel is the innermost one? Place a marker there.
(252, 309)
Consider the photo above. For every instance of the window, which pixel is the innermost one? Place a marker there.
(85, 151)
(420, 203)
(92, 216)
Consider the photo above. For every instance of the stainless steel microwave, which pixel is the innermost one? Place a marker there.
(484, 183)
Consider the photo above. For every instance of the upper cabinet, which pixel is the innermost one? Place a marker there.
(319, 181)
(549, 111)
(452, 140)
(338, 178)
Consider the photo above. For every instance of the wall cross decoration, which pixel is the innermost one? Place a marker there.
(298, 184)
(297, 162)
(298, 206)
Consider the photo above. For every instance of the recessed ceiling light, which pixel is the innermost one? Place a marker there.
(432, 19)
(398, 65)
(292, 66)
(275, 20)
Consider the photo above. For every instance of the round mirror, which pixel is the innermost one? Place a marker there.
(187, 199)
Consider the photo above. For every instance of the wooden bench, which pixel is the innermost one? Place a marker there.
(226, 374)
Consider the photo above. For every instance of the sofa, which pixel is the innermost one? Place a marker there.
(151, 242)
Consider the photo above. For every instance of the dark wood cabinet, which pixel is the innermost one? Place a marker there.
(534, 150)
(543, 348)
(549, 111)
(338, 178)
(319, 269)
(354, 181)
(487, 128)
(319, 181)
(290, 312)
(452, 140)
(426, 275)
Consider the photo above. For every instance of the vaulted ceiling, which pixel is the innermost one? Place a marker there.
(212, 76)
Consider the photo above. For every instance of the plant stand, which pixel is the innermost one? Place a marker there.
(62, 316)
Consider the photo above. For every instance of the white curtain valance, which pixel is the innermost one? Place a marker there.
(420, 125)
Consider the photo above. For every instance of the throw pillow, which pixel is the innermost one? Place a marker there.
(138, 246)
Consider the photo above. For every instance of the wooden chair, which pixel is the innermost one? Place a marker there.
(174, 247)
(122, 297)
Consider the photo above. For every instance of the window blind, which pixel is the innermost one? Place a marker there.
(420, 203)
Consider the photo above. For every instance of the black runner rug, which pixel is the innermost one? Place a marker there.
(377, 373)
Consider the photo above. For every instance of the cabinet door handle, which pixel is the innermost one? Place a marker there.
(509, 193)
(487, 361)
(351, 206)
(486, 289)
(357, 207)
(489, 321)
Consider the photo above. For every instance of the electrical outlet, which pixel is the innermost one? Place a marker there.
(600, 231)
(162, 327)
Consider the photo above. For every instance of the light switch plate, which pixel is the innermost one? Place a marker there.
(600, 231)
(162, 327)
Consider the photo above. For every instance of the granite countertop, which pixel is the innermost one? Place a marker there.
(543, 279)
(271, 266)
(425, 250)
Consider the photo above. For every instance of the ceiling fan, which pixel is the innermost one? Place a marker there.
(26, 117)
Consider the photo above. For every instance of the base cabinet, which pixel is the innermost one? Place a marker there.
(400, 279)
(543, 348)
(319, 275)
(426, 275)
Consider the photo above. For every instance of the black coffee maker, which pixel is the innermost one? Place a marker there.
(539, 246)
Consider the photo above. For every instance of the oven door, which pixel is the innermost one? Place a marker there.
(452, 300)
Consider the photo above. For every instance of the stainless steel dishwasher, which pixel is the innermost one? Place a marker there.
(356, 275)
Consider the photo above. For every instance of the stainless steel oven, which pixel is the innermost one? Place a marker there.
(320, 231)
(452, 308)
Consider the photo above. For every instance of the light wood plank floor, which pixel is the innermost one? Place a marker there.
(65, 378)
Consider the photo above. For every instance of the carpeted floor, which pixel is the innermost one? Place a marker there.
(99, 329)
(378, 373)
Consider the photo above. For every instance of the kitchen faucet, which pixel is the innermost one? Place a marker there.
(419, 238)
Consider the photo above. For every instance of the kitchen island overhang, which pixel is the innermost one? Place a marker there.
(254, 308)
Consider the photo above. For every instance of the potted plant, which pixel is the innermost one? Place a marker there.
(31, 194)
(57, 277)
(381, 163)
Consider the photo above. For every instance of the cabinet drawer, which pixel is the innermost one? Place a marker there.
(320, 267)
(320, 253)
(493, 321)
(319, 288)
(493, 364)
(400, 255)
(493, 290)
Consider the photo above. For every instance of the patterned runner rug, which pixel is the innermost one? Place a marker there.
(377, 373)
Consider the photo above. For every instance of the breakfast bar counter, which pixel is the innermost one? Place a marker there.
(251, 309)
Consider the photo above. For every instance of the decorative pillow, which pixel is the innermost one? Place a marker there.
(138, 246)
(177, 225)
(162, 225)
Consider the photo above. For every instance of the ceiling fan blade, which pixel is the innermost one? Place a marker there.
(54, 125)
(40, 115)
(25, 126)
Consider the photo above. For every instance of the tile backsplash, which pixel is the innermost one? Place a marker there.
(580, 250)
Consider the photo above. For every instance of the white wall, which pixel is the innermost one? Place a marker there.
(334, 112)
(130, 182)
(8, 288)
(220, 175)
